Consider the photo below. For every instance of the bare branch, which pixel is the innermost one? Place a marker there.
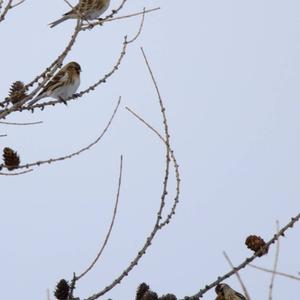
(275, 264)
(5, 11)
(17, 4)
(111, 224)
(21, 124)
(277, 273)
(175, 164)
(100, 22)
(237, 275)
(16, 174)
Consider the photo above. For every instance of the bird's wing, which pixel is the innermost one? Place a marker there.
(240, 296)
(79, 8)
(58, 80)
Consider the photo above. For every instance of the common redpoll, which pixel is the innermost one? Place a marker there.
(85, 9)
(227, 293)
(63, 85)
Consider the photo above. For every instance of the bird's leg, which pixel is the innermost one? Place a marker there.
(101, 21)
(63, 101)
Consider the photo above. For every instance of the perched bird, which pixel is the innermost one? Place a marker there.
(85, 9)
(225, 292)
(63, 85)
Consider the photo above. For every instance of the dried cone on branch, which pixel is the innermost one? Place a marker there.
(141, 290)
(62, 290)
(11, 159)
(144, 293)
(17, 92)
(256, 243)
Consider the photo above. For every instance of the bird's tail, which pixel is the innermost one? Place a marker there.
(62, 19)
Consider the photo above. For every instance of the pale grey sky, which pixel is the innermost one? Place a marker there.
(228, 71)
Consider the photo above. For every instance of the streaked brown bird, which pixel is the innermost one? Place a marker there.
(85, 9)
(63, 85)
(225, 292)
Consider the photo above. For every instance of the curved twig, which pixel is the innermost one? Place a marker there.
(111, 224)
(86, 27)
(16, 174)
(175, 164)
(17, 4)
(21, 124)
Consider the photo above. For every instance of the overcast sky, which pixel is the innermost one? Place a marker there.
(229, 72)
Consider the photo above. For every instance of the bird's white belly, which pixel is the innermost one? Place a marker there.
(67, 91)
(97, 13)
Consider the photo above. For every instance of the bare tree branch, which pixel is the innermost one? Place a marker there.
(16, 174)
(237, 275)
(277, 273)
(5, 11)
(111, 224)
(17, 4)
(21, 124)
(275, 263)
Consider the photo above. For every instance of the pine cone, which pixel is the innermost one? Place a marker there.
(11, 159)
(62, 290)
(17, 92)
(150, 295)
(256, 243)
(141, 290)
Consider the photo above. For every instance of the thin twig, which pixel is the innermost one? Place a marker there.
(175, 164)
(5, 11)
(111, 224)
(238, 276)
(21, 124)
(85, 27)
(271, 286)
(17, 4)
(277, 273)
(16, 174)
